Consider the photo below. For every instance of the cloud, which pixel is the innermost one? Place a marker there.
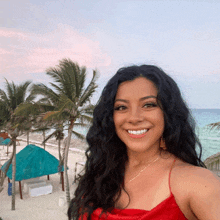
(24, 54)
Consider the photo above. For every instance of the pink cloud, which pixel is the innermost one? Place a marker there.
(12, 33)
(23, 54)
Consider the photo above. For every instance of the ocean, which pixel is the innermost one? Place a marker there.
(210, 139)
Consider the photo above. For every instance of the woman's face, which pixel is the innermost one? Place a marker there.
(139, 121)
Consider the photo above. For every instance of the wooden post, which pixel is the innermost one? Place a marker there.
(75, 173)
(62, 181)
(48, 178)
(20, 189)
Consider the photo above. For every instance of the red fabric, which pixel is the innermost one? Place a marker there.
(166, 210)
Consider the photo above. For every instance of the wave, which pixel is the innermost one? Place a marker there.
(210, 138)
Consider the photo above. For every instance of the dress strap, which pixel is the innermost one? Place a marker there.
(170, 174)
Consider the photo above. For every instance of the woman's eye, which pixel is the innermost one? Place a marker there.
(150, 105)
(120, 108)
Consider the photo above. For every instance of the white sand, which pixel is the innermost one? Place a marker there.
(44, 207)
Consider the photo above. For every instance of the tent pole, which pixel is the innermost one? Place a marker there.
(62, 181)
(20, 189)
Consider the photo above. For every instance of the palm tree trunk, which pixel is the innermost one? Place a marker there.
(6, 170)
(13, 174)
(65, 162)
(27, 137)
(59, 141)
(44, 139)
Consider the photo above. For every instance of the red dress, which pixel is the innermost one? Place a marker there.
(166, 210)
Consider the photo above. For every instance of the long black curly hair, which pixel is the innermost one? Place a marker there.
(102, 182)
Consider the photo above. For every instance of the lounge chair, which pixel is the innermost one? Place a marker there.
(77, 173)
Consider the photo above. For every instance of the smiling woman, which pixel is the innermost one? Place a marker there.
(142, 133)
(138, 119)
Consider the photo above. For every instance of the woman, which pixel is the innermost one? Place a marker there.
(142, 130)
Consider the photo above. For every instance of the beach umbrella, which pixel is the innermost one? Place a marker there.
(32, 162)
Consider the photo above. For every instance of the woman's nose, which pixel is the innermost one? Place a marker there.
(135, 116)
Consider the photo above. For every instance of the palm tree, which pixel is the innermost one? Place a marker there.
(59, 135)
(40, 110)
(49, 102)
(35, 111)
(4, 114)
(11, 99)
(74, 101)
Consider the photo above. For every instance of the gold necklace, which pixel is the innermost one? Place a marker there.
(143, 169)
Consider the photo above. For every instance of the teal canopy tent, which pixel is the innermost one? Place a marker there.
(32, 162)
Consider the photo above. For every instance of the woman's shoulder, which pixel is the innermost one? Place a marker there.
(196, 188)
(192, 173)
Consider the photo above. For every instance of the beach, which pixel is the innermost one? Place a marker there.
(43, 207)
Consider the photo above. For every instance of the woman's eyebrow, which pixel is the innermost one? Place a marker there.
(141, 99)
(121, 100)
(148, 97)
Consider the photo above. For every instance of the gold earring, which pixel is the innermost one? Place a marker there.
(162, 143)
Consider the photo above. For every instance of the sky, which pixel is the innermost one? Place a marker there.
(181, 37)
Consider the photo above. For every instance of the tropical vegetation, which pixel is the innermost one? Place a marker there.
(62, 104)
(10, 100)
(74, 103)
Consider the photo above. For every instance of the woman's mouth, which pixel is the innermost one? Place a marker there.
(137, 133)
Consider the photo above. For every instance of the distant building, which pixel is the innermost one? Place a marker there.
(213, 163)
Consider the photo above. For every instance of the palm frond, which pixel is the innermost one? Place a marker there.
(66, 104)
(78, 124)
(15, 94)
(90, 89)
(49, 115)
(45, 105)
(49, 137)
(21, 91)
(78, 135)
(25, 109)
(41, 127)
(4, 97)
(88, 109)
(82, 78)
(10, 87)
(56, 74)
(46, 92)
(30, 98)
(85, 118)
(214, 125)
(71, 71)
(58, 88)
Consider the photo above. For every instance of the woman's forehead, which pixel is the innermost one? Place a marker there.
(137, 87)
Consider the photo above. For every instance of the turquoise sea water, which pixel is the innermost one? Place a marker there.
(210, 139)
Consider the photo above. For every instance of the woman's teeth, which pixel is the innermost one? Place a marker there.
(137, 132)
